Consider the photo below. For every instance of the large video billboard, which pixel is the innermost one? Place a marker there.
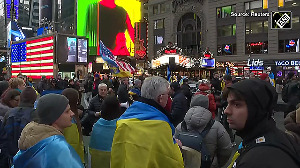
(111, 21)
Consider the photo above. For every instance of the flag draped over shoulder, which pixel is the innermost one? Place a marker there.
(169, 74)
(118, 68)
(152, 142)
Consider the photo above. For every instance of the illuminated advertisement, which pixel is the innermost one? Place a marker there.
(45, 10)
(208, 63)
(82, 50)
(110, 21)
(72, 54)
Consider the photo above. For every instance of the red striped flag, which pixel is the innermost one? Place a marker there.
(33, 58)
(123, 66)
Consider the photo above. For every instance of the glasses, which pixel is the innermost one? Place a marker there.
(16, 100)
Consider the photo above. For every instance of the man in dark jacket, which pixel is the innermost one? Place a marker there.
(179, 104)
(97, 81)
(94, 109)
(123, 95)
(216, 83)
(186, 90)
(250, 106)
(14, 122)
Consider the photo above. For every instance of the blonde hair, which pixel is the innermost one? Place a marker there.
(15, 82)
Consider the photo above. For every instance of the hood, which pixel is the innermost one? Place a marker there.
(203, 87)
(34, 132)
(290, 123)
(261, 99)
(200, 100)
(197, 117)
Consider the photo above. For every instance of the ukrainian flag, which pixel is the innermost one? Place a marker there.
(144, 138)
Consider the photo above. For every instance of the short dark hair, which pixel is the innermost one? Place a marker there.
(110, 108)
(227, 77)
(238, 95)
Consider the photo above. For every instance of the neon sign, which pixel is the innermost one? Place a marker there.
(255, 63)
(8, 8)
(287, 63)
(292, 43)
(256, 44)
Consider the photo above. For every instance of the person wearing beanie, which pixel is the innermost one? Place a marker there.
(73, 134)
(249, 111)
(292, 124)
(217, 140)
(179, 104)
(42, 143)
(14, 122)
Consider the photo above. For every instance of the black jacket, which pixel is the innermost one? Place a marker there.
(187, 92)
(264, 145)
(277, 151)
(179, 107)
(95, 87)
(216, 83)
(123, 95)
(89, 118)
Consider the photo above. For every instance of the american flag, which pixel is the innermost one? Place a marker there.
(108, 56)
(33, 58)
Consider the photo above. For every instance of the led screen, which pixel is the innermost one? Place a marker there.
(66, 49)
(110, 21)
(72, 49)
(82, 50)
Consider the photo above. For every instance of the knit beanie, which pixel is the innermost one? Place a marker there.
(263, 76)
(50, 107)
(28, 96)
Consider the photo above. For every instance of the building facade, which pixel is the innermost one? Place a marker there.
(234, 31)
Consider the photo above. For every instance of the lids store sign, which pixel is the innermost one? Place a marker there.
(255, 63)
(288, 63)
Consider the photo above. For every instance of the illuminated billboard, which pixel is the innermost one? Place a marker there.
(111, 21)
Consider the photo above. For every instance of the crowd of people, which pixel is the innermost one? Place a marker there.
(151, 123)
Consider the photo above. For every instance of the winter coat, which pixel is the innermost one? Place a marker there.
(187, 92)
(216, 83)
(204, 90)
(3, 110)
(179, 107)
(264, 145)
(291, 126)
(89, 117)
(123, 95)
(217, 139)
(45, 146)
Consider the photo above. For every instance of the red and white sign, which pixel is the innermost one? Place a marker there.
(292, 43)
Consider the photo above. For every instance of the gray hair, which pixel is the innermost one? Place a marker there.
(137, 82)
(101, 84)
(153, 87)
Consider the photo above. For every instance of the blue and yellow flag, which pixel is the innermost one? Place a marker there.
(144, 138)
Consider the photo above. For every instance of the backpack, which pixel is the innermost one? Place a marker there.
(194, 140)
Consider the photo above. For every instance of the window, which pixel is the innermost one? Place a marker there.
(257, 47)
(155, 9)
(225, 11)
(228, 30)
(257, 27)
(159, 24)
(288, 3)
(256, 6)
(290, 45)
(162, 8)
(158, 39)
(227, 49)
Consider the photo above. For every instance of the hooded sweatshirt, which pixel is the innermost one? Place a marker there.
(205, 90)
(275, 148)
